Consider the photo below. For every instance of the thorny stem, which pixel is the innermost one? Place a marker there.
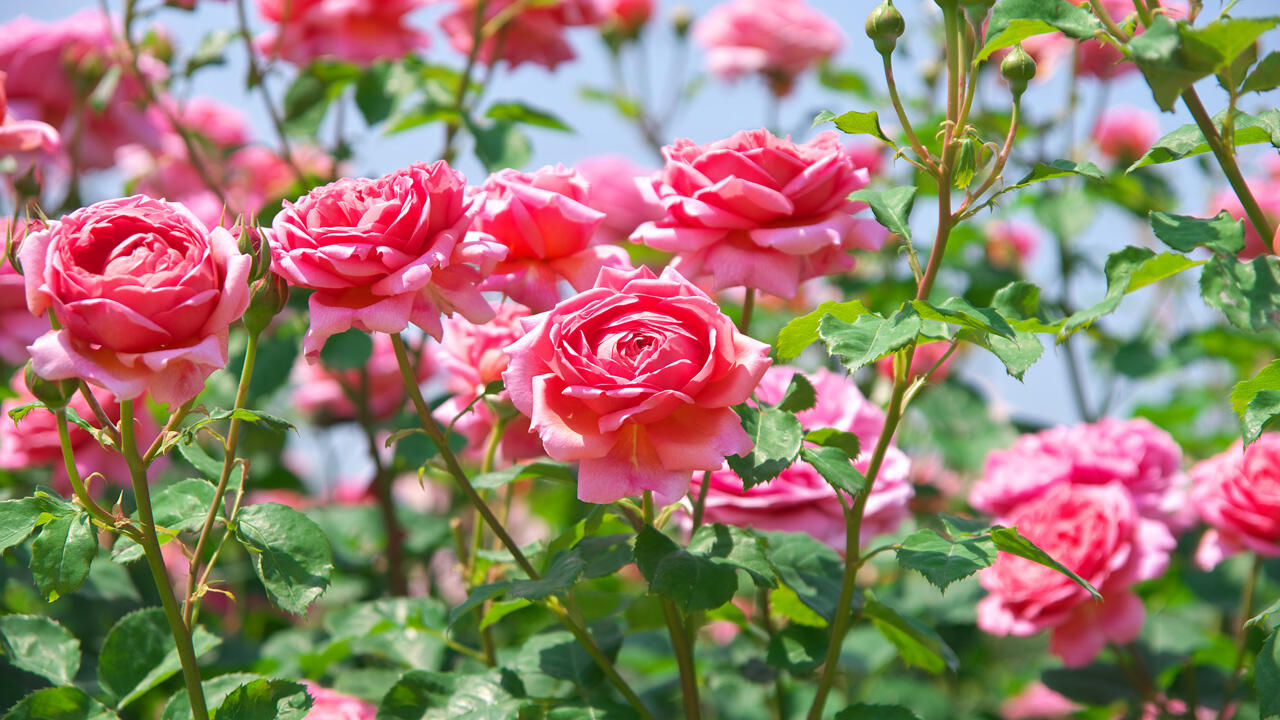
(109, 427)
(258, 78)
(926, 160)
(169, 427)
(680, 640)
(77, 484)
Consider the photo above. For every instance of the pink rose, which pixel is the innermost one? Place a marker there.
(332, 705)
(760, 211)
(24, 138)
(1237, 493)
(611, 189)
(1097, 532)
(543, 220)
(636, 379)
(799, 500)
(356, 31)
(1125, 133)
(780, 39)
(1037, 702)
(144, 294)
(1010, 243)
(472, 356)
(384, 253)
(533, 34)
(1267, 192)
(323, 392)
(625, 16)
(18, 327)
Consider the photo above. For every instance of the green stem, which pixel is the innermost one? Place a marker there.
(259, 78)
(1229, 166)
(77, 484)
(748, 309)
(680, 641)
(766, 621)
(700, 506)
(925, 158)
(180, 630)
(460, 97)
(1241, 636)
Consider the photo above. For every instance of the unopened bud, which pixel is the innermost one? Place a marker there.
(53, 393)
(966, 162)
(884, 26)
(681, 20)
(269, 296)
(1018, 67)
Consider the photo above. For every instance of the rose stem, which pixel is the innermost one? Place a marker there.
(680, 641)
(1241, 636)
(77, 485)
(748, 309)
(151, 547)
(464, 82)
(700, 506)
(382, 491)
(256, 76)
(433, 430)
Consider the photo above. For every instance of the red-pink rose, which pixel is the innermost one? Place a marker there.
(799, 500)
(779, 39)
(1125, 133)
(636, 379)
(383, 253)
(611, 189)
(1010, 243)
(1267, 192)
(760, 211)
(332, 705)
(533, 34)
(625, 16)
(1097, 532)
(144, 293)
(18, 327)
(325, 393)
(357, 31)
(546, 225)
(1237, 493)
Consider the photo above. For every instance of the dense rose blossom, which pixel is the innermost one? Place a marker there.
(332, 705)
(780, 39)
(356, 31)
(546, 225)
(50, 64)
(1011, 243)
(320, 390)
(612, 189)
(625, 16)
(1267, 192)
(1095, 530)
(760, 211)
(24, 139)
(922, 361)
(1141, 457)
(385, 252)
(1037, 702)
(18, 327)
(1125, 133)
(534, 34)
(799, 500)
(472, 356)
(636, 379)
(144, 293)
(1237, 493)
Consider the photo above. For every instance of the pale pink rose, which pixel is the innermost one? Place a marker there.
(625, 16)
(926, 356)
(18, 327)
(1237, 493)
(383, 253)
(1011, 243)
(1037, 702)
(326, 394)
(533, 34)
(1097, 532)
(1141, 457)
(636, 379)
(355, 31)
(780, 39)
(1125, 133)
(48, 66)
(611, 189)
(144, 293)
(1267, 192)
(760, 211)
(799, 500)
(332, 705)
(543, 220)
(24, 139)
(470, 357)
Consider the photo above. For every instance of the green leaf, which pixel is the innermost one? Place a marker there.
(802, 332)
(192, 452)
(61, 554)
(1187, 140)
(856, 123)
(291, 555)
(799, 396)
(308, 99)
(1018, 300)
(1017, 354)
(138, 654)
(1222, 233)
(1264, 406)
(1243, 392)
(566, 568)
(184, 505)
(558, 472)
(17, 519)
(425, 695)
(960, 312)
(835, 466)
(869, 337)
(41, 646)
(501, 145)
(891, 208)
(863, 711)
(1173, 56)
(521, 113)
(604, 554)
(942, 560)
(265, 699)
(476, 598)
(1248, 293)
(215, 691)
(209, 51)
(1158, 268)
(732, 546)
(776, 436)
(917, 643)
(374, 97)
(692, 581)
(810, 568)
(1057, 169)
(105, 90)
(844, 80)
(1012, 21)
(62, 703)
(831, 437)
(1266, 675)
(1265, 75)
(797, 649)
(348, 350)
(1011, 541)
(1271, 610)
(1120, 268)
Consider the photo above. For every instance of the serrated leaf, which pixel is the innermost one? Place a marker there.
(835, 466)
(1271, 610)
(856, 123)
(1011, 541)
(797, 649)
(558, 472)
(425, 695)
(566, 568)
(1264, 406)
(1265, 75)
(1174, 55)
(869, 337)
(733, 546)
(1188, 140)
(693, 582)
(1012, 21)
(1158, 268)
(799, 395)
(942, 560)
(265, 699)
(1266, 675)
(1248, 293)
(775, 435)
(291, 554)
(215, 691)
(1268, 378)
(40, 645)
(810, 568)
(1017, 354)
(476, 598)
(61, 703)
(891, 208)
(917, 643)
(1119, 269)
(501, 145)
(831, 437)
(17, 519)
(802, 332)
(1058, 169)
(1222, 233)
(61, 554)
(139, 654)
(961, 313)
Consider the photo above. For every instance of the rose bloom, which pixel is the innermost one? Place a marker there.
(780, 39)
(1141, 457)
(383, 253)
(1037, 702)
(1011, 243)
(533, 34)
(612, 189)
(1125, 133)
(332, 705)
(543, 220)
(18, 327)
(625, 16)
(144, 293)
(472, 356)
(636, 379)
(1267, 192)
(24, 139)
(760, 211)
(1237, 494)
(799, 500)
(355, 31)
(322, 392)
(1097, 532)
